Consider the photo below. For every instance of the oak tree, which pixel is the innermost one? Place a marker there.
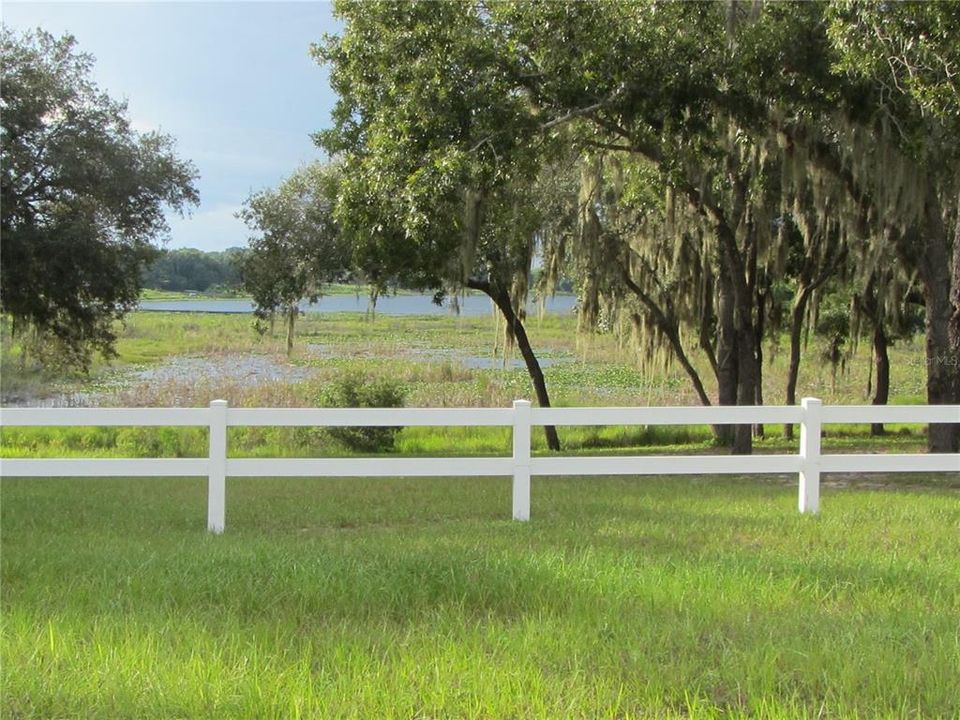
(82, 197)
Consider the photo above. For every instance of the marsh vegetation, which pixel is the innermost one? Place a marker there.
(188, 360)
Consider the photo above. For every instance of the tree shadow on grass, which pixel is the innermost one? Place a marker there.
(402, 548)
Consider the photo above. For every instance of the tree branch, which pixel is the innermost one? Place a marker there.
(580, 112)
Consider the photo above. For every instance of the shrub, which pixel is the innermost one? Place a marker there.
(138, 442)
(161, 442)
(356, 390)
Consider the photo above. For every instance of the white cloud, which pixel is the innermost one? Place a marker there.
(142, 125)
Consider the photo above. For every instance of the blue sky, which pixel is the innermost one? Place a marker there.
(233, 82)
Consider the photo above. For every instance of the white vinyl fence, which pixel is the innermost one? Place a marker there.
(811, 415)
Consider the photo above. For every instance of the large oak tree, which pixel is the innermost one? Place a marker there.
(83, 197)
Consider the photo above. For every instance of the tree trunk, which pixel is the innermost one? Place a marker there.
(796, 331)
(732, 272)
(670, 327)
(726, 350)
(934, 268)
(882, 360)
(953, 328)
(746, 388)
(292, 311)
(502, 301)
(758, 430)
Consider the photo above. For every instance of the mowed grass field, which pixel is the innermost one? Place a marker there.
(388, 598)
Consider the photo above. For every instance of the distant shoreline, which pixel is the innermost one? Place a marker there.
(334, 289)
(150, 295)
(474, 304)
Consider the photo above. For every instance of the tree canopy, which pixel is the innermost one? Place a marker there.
(298, 245)
(728, 156)
(83, 197)
(439, 181)
(191, 269)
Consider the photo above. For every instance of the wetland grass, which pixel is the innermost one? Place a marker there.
(178, 359)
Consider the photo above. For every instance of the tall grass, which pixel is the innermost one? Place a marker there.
(265, 442)
(422, 355)
(599, 370)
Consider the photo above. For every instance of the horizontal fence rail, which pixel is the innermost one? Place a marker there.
(372, 417)
(705, 415)
(890, 414)
(371, 467)
(809, 463)
(105, 467)
(80, 417)
(665, 465)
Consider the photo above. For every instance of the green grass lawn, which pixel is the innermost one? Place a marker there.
(367, 598)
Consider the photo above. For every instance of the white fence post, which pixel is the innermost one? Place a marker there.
(809, 500)
(521, 459)
(217, 473)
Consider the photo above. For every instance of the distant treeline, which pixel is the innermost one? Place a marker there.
(190, 269)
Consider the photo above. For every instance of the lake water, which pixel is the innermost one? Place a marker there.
(471, 305)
